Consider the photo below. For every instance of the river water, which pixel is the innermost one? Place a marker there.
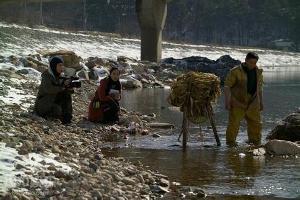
(218, 170)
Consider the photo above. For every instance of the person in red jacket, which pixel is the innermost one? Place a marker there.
(104, 107)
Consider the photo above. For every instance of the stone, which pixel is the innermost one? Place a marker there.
(199, 193)
(98, 156)
(59, 174)
(176, 183)
(25, 148)
(140, 178)
(71, 60)
(38, 139)
(22, 71)
(19, 166)
(161, 125)
(156, 135)
(94, 61)
(158, 189)
(93, 166)
(152, 115)
(51, 168)
(287, 129)
(158, 84)
(2, 123)
(97, 195)
(145, 132)
(128, 181)
(14, 60)
(282, 147)
(129, 82)
(220, 67)
(115, 129)
(19, 158)
(130, 171)
(125, 59)
(126, 120)
(163, 182)
(11, 144)
(55, 149)
(116, 177)
(35, 64)
(259, 152)
(146, 118)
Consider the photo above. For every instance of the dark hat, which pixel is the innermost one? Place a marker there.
(113, 69)
(53, 63)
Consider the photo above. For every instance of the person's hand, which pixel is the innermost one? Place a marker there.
(116, 96)
(236, 103)
(67, 83)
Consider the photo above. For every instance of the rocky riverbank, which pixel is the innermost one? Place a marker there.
(135, 74)
(54, 161)
(50, 160)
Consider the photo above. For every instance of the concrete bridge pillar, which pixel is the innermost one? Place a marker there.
(151, 16)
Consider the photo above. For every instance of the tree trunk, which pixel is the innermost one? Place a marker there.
(41, 13)
(84, 15)
(25, 11)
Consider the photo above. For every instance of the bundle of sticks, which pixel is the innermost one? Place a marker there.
(195, 91)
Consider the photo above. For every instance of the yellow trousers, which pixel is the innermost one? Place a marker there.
(254, 125)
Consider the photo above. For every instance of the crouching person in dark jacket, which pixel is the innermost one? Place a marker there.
(54, 96)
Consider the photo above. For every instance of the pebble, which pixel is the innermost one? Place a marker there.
(156, 135)
(242, 155)
(19, 166)
(163, 182)
(93, 166)
(129, 181)
(97, 195)
(55, 149)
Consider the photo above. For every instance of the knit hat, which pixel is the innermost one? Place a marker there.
(53, 63)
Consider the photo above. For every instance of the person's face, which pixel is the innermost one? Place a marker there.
(251, 63)
(115, 75)
(60, 68)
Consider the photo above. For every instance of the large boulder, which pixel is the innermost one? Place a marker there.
(71, 60)
(14, 60)
(282, 147)
(95, 61)
(32, 62)
(287, 129)
(219, 67)
(98, 72)
(129, 82)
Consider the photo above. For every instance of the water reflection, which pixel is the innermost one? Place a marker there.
(220, 170)
(243, 170)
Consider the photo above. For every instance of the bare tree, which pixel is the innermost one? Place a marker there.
(25, 10)
(84, 15)
(41, 13)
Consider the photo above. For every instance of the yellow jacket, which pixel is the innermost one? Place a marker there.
(236, 80)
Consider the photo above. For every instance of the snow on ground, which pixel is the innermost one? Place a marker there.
(10, 174)
(22, 40)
